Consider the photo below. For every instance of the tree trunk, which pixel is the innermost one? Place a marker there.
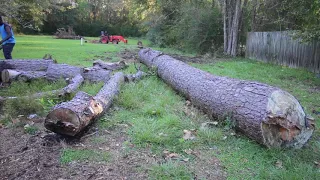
(57, 71)
(230, 9)
(8, 75)
(242, 30)
(110, 66)
(26, 65)
(225, 26)
(69, 118)
(96, 74)
(73, 85)
(253, 15)
(264, 113)
(235, 28)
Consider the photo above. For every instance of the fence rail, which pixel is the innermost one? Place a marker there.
(281, 48)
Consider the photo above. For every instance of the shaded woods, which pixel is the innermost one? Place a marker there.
(202, 26)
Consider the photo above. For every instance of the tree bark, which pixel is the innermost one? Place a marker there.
(26, 65)
(230, 9)
(57, 71)
(264, 113)
(8, 75)
(96, 74)
(70, 118)
(110, 66)
(235, 28)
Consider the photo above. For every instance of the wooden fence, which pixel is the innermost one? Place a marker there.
(281, 48)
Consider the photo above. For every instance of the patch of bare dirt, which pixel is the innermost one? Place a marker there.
(24, 156)
(129, 55)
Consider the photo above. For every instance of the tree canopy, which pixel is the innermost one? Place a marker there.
(191, 25)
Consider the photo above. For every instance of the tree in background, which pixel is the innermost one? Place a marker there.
(191, 25)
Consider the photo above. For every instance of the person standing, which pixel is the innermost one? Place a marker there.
(8, 41)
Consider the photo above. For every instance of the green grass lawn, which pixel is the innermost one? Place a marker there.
(66, 51)
(157, 115)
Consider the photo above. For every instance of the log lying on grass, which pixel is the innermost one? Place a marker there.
(69, 118)
(96, 74)
(57, 71)
(110, 66)
(7, 75)
(73, 85)
(26, 65)
(264, 113)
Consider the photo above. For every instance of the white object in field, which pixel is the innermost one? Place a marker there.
(81, 41)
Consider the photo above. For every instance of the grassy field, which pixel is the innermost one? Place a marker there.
(155, 117)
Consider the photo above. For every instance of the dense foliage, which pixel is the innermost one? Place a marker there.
(190, 25)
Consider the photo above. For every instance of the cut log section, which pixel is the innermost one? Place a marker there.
(8, 75)
(110, 66)
(69, 118)
(96, 74)
(264, 113)
(26, 65)
(57, 71)
(93, 74)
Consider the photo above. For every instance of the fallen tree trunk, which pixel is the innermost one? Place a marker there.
(26, 65)
(95, 74)
(57, 71)
(110, 66)
(73, 85)
(8, 75)
(69, 118)
(264, 113)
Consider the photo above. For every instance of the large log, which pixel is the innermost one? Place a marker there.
(57, 71)
(8, 75)
(69, 118)
(267, 114)
(96, 74)
(26, 65)
(73, 85)
(93, 74)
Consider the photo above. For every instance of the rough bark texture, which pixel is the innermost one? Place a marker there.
(264, 113)
(69, 118)
(26, 65)
(232, 18)
(110, 66)
(96, 74)
(57, 71)
(8, 75)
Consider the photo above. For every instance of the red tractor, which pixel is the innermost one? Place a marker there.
(115, 39)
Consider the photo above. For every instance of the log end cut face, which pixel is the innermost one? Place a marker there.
(286, 124)
(63, 121)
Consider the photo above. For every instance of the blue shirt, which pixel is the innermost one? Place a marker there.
(4, 34)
